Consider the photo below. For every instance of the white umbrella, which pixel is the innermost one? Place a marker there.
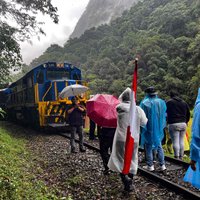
(72, 90)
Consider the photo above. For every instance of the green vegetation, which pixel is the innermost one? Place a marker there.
(76, 180)
(2, 113)
(16, 178)
(18, 22)
(164, 35)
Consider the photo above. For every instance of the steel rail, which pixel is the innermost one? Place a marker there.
(177, 161)
(154, 177)
(173, 160)
(169, 184)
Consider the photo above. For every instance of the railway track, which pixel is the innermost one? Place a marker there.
(175, 168)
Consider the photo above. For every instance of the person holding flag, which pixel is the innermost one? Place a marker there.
(153, 134)
(119, 161)
(124, 157)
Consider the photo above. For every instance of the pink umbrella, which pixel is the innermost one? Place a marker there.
(101, 108)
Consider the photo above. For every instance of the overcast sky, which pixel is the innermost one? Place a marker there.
(69, 12)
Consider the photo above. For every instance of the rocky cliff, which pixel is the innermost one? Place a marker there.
(100, 12)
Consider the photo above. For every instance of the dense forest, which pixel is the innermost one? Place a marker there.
(163, 34)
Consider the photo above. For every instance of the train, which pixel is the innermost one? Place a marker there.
(34, 98)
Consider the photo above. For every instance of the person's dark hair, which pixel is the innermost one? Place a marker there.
(126, 96)
(173, 93)
(73, 100)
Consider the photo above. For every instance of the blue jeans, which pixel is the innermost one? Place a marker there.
(149, 154)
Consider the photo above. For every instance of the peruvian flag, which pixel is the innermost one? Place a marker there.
(131, 135)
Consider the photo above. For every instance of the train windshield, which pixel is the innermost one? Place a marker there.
(58, 75)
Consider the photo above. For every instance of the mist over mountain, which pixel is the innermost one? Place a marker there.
(163, 34)
(100, 12)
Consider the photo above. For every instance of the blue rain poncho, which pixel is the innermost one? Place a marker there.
(155, 110)
(195, 143)
(191, 176)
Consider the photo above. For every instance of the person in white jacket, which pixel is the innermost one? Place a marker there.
(116, 161)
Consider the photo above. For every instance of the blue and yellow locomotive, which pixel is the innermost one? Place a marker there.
(34, 99)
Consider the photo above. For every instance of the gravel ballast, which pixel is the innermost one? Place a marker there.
(80, 175)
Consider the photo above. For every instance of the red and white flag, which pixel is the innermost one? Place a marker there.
(132, 135)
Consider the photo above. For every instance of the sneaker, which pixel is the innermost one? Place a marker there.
(82, 150)
(106, 171)
(162, 168)
(128, 184)
(129, 188)
(73, 151)
(149, 168)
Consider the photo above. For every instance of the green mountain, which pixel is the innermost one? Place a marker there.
(163, 34)
(100, 12)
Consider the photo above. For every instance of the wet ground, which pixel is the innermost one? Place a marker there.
(80, 175)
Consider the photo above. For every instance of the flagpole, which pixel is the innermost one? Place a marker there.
(129, 145)
(135, 77)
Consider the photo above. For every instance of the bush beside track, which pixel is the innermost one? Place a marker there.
(16, 169)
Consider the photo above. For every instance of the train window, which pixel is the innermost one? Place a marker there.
(40, 77)
(24, 83)
(19, 85)
(30, 82)
(58, 75)
(76, 76)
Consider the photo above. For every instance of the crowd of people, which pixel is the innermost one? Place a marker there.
(153, 116)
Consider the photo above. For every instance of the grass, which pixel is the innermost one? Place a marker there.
(2, 113)
(87, 130)
(76, 180)
(16, 180)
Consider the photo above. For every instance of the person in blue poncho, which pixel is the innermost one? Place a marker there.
(195, 143)
(153, 133)
(193, 173)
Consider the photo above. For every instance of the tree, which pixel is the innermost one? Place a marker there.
(117, 86)
(17, 23)
(9, 52)
(24, 69)
(99, 86)
(194, 84)
(163, 34)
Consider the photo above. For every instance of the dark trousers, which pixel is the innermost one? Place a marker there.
(105, 149)
(92, 130)
(74, 130)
